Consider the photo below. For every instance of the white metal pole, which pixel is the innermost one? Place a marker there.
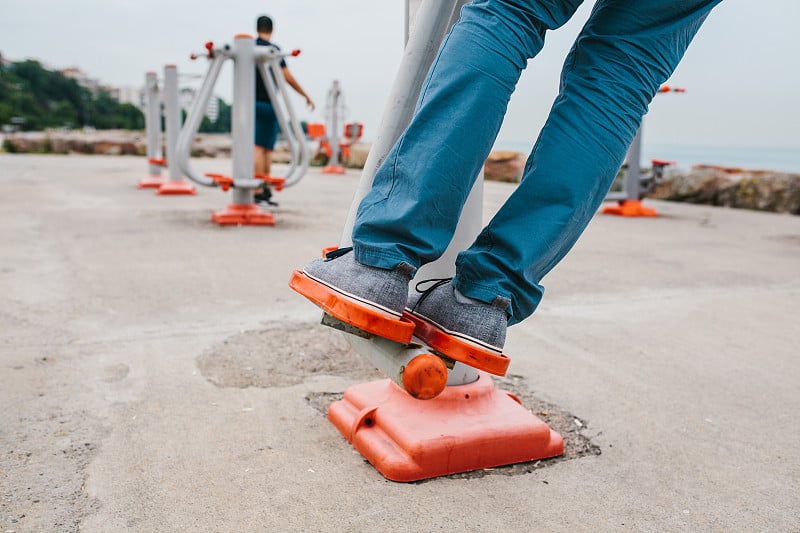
(172, 112)
(334, 96)
(243, 123)
(430, 23)
(152, 120)
(632, 185)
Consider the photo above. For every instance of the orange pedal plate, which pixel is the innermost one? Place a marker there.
(344, 309)
(457, 349)
(466, 427)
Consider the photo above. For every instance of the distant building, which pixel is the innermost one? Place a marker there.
(82, 78)
(129, 95)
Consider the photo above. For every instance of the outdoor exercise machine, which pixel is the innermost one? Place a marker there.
(152, 121)
(434, 416)
(335, 149)
(636, 184)
(247, 57)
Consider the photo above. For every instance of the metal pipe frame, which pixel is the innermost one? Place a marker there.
(633, 174)
(333, 104)
(245, 55)
(152, 120)
(193, 120)
(172, 113)
(269, 61)
(432, 21)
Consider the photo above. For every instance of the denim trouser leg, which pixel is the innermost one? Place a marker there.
(417, 195)
(627, 49)
(624, 53)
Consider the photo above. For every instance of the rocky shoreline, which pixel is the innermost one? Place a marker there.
(762, 190)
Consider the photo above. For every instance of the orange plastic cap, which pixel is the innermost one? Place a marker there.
(425, 377)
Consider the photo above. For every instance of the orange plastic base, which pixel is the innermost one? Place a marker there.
(339, 307)
(242, 215)
(152, 182)
(465, 428)
(630, 208)
(334, 169)
(175, 187)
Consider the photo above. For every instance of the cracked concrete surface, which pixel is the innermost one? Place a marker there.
(672, 340)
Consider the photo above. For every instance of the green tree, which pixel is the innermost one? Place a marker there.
(39, 98)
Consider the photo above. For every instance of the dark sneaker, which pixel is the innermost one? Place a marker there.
(475, 323)
(383, 291)
(264, 198)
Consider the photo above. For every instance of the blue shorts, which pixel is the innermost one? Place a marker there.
(266, 125)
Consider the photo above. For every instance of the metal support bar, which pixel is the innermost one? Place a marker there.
(153, 122)
(632, 185)
(172, 113)
(432, 21)
(193, 120)
(334, 104)
(269, 59)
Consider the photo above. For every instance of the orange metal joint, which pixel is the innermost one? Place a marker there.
(424, 377)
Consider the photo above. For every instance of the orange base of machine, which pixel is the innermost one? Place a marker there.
(242, 215)
(334, 169)
(175, 187)
(467, 427)
(152, 182)
(630, 208)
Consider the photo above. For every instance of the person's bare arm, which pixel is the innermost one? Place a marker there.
(296, 86)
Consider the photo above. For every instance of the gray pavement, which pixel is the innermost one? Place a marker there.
(155, 371)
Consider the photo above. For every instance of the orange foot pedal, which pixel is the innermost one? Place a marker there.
(278, 183)
(343, 308)
(457, 349)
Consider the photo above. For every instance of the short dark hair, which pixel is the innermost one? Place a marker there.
(264, 24)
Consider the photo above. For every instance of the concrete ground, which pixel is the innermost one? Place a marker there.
(157, 374)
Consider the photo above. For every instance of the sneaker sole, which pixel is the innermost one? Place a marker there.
(469, 352)
(361, 314)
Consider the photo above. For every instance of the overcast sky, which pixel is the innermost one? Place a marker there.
(742, 72)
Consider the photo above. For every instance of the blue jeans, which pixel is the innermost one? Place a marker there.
(626, 50)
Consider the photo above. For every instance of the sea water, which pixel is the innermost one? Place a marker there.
(782, 159)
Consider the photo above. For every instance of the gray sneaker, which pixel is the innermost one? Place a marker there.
(477, 323)
(384, 291)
